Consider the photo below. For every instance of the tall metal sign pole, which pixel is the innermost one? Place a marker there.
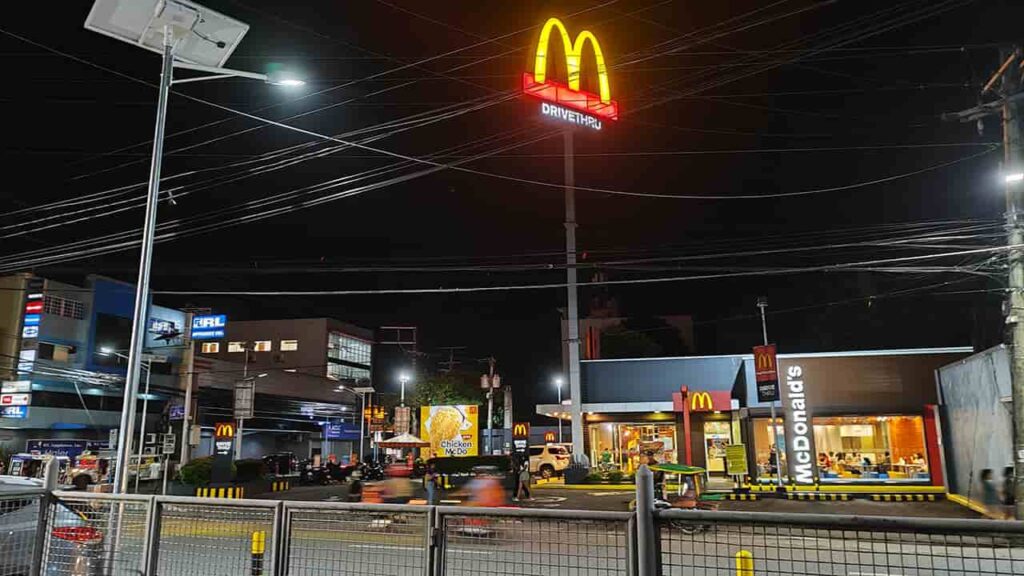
(762, 304)
(1008, 77)
(572, 303)
(567, 102)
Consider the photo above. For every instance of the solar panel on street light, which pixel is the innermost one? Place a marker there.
(202, 36)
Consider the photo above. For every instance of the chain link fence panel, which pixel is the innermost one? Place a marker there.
(519, 542)
(96, 534)
(356, 540)
(730, 544)
(19, 522)
(214, 538)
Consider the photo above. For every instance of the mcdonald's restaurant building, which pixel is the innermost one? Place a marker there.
(860, 417)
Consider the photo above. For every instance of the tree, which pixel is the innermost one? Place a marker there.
(451, 388)
(642, 337)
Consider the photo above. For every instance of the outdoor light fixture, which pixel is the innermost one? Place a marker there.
(105, 351)
(187, 36)
(1014, 177)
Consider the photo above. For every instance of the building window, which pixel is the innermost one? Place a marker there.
(344, 372)
(263, 345)
(236, 346)
(349, 349)
(874, 448)
(289, 345)
(765, 447)
(620, 445)
(55, 352)
(210, 347)
(63, 307)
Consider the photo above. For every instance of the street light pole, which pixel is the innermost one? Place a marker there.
(762, 303)
(131, 385)
(142, 423)
(572, 315)
(558, 384)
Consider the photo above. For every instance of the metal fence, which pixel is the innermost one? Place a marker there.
(92, 534)
(749, 543)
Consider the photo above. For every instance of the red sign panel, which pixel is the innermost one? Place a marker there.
(766, 372)
(34, 307)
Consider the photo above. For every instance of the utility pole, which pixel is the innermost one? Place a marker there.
(241, 421)
(490, 382)
(1008, 78)
(572, 305)
(1013, 166)
(452, 362)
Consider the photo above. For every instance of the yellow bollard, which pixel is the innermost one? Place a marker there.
(259, 547)
(744, 563)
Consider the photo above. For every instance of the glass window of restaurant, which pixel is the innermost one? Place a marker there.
(619, 445)
(764, 447)
(873, 448)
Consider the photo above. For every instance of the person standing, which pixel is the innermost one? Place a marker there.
(523, 485)
(430, 482)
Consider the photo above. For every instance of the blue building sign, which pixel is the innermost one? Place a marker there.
(18, 412)
(176, 412)
(341, 431)
(209, 327)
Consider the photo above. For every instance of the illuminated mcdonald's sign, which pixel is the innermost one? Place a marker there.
(595, 107)
(549, 436)
(224, 430)
(521, 430)
(701, 402)
(764, 361)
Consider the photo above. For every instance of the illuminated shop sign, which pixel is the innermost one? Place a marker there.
(594, 107)
(798, 424)
(210, 327)
(570, 116)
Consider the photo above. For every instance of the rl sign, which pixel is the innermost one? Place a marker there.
(569, 102)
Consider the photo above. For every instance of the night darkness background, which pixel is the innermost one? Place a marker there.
(718, 99)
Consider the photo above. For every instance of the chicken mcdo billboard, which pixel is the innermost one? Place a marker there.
(451, 430)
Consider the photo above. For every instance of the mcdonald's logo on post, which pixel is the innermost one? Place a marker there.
(521, 430)
(568, 101)
(224, 430)
(766, 373)
(701, 402)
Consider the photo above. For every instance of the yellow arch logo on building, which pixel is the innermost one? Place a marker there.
(224, 430)
(764, 361)
(701, 401)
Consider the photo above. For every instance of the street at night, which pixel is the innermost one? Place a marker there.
(581, 288)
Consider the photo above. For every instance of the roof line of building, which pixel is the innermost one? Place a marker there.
(889, 352)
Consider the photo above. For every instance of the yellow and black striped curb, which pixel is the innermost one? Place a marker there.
(903, 497)
(741, 497)
(817, 496)
(232, 492)
(280, 485)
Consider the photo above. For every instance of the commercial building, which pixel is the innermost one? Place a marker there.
(62, 350)
(306, 372)
(860, 417)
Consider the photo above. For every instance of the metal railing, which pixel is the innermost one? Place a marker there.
(91, 534)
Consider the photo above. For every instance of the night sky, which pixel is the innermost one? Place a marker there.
(721, 99)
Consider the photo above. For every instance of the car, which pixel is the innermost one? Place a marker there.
(548, 460)
(75, 545)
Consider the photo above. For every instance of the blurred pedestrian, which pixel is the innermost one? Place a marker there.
(1009, 494)
(989, 496)
(431, 481)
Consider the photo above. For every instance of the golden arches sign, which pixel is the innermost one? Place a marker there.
(573, 57)
(701, 401)
(224, 430)
(764, 361)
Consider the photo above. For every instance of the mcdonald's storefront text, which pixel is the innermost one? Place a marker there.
(567, 101)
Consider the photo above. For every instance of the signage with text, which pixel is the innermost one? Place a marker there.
(766, 373)
(245, 395)
(799, 433)
(16, 387)
(341, 431)
(209, 327)
(15, 399)
(176, 412)
(736, 460)
(568, 101)
(14, 412)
